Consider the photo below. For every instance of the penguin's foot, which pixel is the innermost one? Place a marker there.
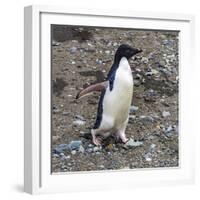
(97, 141)
(123, 137)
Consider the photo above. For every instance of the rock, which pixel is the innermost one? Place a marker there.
(150, 95)
(73, 152)
(145, 60)
(152, 146)
(169, 129)
(107, 52)
(73, 62)
(80, 117)
(147, 157)
(75, 145)
(66, 113)
(60, 148)
(101, 166)
(146, 119)
(73, 50)
(165, 114)
(133, 109)
(95, 149)
(56, 155)
(131, 144)
(152, 72)
(79, 122)
(54, 43)
(81, 149)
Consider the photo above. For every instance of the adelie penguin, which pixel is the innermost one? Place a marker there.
(116, 97)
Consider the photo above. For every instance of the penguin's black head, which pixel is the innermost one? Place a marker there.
(126, 51)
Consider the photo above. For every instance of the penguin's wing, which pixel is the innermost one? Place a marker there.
(92, 88)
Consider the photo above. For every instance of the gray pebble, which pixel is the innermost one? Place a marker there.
(165, 114)
(73, 50)
(133, 108)
(79, 122)
(75, 145)
(73, 152)
(81, 149)
(132, 143)
(107, 52)
(80, 117)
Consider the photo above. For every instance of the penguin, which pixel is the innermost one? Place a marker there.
(115, 99)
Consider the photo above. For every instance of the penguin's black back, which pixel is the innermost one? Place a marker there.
(99, 111)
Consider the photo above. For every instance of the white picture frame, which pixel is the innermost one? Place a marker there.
(37, 131)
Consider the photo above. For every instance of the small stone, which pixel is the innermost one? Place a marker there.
(81, 149)
(101, 166)
(73, 62)
(147, 157)
(54, 43)
(151, 73)
(80, 117)
(75, 145)
(144, 60)
(95, 149)
(56, 155)
(66, 113)
(79, 122)
(146, 119)
(73, 152)
(107, 52)
(169, 129)
(89, 150)
(133, 109)
(60, 148)
(152, 146)
(73, 50)
(62, 154)
(90, 145)
(131, 143)
(165, 114)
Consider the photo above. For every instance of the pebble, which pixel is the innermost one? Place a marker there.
(152, 146)
(60, 148)
(73, 50)
(80, 117)
(95, 149)
(73, 62)
(147, 157)
(165, 114)
(169, 129)
(152, 72)
(81, 149)
(54, 43)
(73, 152)
(66, 113)
(107, 52)
(146, 119)
(133, 109)
(79, 122)
(75, 145)
(131, 143)
(144, 60)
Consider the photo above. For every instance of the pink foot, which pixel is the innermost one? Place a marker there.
(96, 141)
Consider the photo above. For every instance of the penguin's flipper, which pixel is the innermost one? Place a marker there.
(93, 88)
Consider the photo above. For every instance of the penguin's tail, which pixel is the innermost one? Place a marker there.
(98, 87)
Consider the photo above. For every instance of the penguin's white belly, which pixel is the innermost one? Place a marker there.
(117, 102)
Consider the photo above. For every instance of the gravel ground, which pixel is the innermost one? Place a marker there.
(81, 56)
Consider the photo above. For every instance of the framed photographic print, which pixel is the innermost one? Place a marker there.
(106, 99)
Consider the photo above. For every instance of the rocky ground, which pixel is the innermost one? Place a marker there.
(81, 56)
